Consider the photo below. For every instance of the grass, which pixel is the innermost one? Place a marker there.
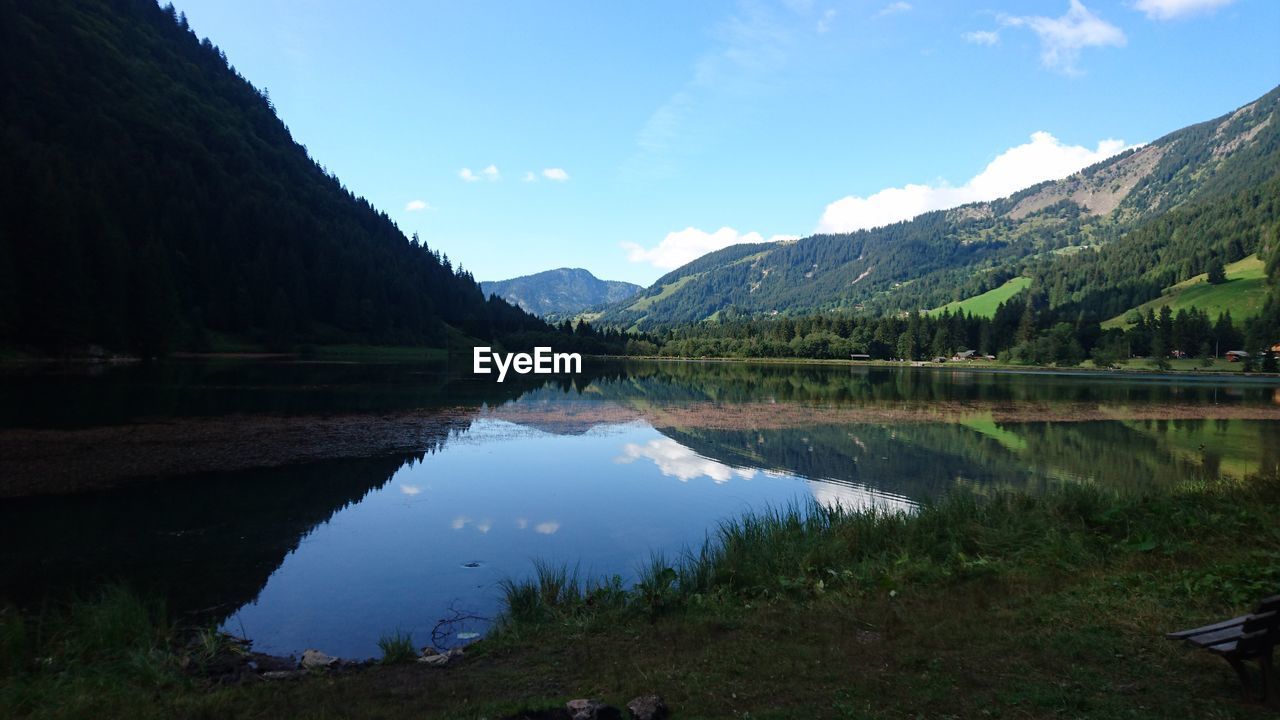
(1242, 294)
(87, 657)
(397, 648)
(1188, 365)
(985, 305)
(1010, 606)
(1006, 606)
(804, 551)
(668, 290)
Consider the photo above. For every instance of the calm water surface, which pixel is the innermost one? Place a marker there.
(598, 471)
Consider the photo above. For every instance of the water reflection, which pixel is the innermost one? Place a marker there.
(208, 542)
(854, 497)
(677, 461)
(335, 552)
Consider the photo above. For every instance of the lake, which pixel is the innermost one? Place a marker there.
(321, 505)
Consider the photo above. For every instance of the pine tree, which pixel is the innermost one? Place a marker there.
(907, 345)
(939, 347)
(1217, 273)
(1164, 330)
(1027, 325)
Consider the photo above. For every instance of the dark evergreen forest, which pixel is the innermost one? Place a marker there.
(151, 199)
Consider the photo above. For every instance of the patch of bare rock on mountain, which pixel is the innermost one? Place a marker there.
(1098, 193)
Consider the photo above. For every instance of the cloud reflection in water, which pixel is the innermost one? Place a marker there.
(677, 461)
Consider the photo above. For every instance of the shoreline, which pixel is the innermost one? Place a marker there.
(969, 606)
(382, 354)
(969, 366)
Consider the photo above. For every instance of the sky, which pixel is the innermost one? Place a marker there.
(628, 138)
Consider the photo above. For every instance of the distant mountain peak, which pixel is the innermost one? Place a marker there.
(560, 292)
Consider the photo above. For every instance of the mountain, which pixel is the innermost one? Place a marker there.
(151, 199)
(1107, 238)
(561, 292)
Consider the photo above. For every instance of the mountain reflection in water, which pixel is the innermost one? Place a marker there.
(598, 470)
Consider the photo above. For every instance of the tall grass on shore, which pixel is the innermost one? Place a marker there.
(85, 650)
(806, 550)
(397, 648)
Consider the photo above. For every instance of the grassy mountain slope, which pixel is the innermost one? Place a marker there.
(985, 304)
(149, 196)
(1242, 294)
(1048, 231)
(560, 292)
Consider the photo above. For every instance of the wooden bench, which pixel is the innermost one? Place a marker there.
(1248, 637)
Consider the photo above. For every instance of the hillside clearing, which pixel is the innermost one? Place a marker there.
(985, 305)
(1242, 294)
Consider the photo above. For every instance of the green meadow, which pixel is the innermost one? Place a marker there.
(1242, 294)
(985, 305)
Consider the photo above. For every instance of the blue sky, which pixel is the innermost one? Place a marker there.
(627, 138)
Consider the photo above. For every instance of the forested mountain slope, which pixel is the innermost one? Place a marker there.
(150, 198)
(560, 292)
(1113, 234)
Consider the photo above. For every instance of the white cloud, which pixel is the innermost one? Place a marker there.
(529, 176)
(460, 522)
(894, 8)
(490, 173)
(410, 489)
(1043, 158)
(982, 37)
(682, 246)
(677, 461)
(824, 23)
(546, 528)
(418, 205)
(1174, 9)
(556, 174)
(1062, 38)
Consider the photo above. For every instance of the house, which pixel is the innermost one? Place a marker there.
(1237, 355)
(939, 359)
(1275, 349)
(965, 355)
